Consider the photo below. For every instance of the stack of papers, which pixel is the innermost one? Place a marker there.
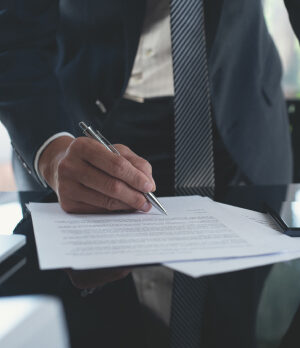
(201, 268)
(198, 237)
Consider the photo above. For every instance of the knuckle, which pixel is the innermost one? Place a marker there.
(81, 141)
(115, 188)
(139, 180)
(111, 204)
(120, 166)
(124, 274)
(77, 283)
(121, 274)
(63, 168)
(77, 144)
(62, 190)
(145, 166)
(85, 177)
(80, 147)
(108, 203)
(122, 148)
(68, 207)
(139, 201)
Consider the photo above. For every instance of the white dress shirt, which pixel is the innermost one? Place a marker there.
(152, 74)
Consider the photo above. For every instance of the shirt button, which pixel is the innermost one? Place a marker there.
(138, 76)
(149, 52)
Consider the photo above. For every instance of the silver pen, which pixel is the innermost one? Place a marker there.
(89, 132)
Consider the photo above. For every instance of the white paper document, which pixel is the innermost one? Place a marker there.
(195, 229)
(209, 267)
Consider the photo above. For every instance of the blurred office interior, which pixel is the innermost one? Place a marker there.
(289, 49)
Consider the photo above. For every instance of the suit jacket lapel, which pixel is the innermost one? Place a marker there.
(134, 13)
(213, 11)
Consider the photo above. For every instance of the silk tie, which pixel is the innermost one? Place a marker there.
(194, 162)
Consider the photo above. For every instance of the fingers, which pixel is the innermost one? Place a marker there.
(110, 188)
(75, 207)
(96, 278)
(91, 201)
(137, 161)
(91, 179)
(114, 165)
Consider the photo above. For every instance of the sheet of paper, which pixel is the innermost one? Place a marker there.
(194, 229)
(261, 218)
(198, 269)
(209, 267)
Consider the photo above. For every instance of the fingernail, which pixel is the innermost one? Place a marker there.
(146, 207)
(154, 186)
(148, 187)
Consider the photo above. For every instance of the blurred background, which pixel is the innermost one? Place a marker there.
(280, 29)
(289, 49)
(7, 182)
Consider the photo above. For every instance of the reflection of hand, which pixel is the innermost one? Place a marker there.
(97, 277)
(87, 178)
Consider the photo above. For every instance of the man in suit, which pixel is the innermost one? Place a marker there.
(110, 63)
(94, 58)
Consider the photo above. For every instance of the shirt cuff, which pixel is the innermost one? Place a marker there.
(41, 149)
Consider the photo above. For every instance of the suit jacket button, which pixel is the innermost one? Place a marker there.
(101, 106)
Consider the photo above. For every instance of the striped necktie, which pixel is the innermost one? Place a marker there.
(194, 163)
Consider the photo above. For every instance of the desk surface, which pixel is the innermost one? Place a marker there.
(251, 308)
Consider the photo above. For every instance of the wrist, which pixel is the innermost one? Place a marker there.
(50, 157)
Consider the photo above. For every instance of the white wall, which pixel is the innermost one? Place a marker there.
(287, 43)
(5, 147)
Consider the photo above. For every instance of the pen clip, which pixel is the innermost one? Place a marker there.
(89, 132)
(108, 143)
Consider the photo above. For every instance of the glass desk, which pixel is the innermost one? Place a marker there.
(252, 308)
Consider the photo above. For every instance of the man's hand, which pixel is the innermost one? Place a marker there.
(97, 277)
(88, 178)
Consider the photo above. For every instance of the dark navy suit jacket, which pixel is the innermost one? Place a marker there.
(58, 57)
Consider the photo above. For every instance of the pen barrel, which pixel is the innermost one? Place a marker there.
(153, 200)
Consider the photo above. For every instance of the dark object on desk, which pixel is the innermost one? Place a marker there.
(287, 216)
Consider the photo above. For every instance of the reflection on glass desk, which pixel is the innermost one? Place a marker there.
(252, 308)
(32, 321)
(10, 212)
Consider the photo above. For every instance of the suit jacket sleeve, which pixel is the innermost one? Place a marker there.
(293, 7)
(31, 106)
